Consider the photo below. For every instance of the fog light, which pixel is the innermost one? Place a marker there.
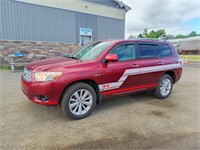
(42, 98)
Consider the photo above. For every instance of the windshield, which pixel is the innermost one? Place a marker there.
(91, 51)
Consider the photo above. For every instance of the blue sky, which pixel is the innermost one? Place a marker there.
(194, 23)
(175, 16)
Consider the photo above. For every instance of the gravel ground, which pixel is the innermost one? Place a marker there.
(130, 122)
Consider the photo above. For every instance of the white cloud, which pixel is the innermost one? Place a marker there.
(171, 15)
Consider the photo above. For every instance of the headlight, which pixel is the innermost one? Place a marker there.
(47, 76)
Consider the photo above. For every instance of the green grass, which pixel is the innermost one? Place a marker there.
(5, 67)
(191, 57)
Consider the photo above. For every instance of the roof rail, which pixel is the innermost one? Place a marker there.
(153, 39)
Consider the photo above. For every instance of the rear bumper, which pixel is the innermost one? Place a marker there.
(33, 89)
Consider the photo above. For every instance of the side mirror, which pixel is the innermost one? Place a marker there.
(111, 57)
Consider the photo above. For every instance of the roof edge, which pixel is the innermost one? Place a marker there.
(122, 5)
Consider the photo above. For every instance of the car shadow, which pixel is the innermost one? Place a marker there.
(120, 101)
(51, 113)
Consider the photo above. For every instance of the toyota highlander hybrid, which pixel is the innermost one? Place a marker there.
(101, 70)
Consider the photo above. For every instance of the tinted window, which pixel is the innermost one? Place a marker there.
(125, 52)
(148, 50)
(165, 50)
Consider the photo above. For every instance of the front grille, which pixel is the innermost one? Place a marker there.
(27, 75)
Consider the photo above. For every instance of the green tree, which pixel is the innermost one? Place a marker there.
(169, 37)
(161, 33)
(192, 34)
(130, 36)
(180, 36)
(140, 35)
(145, 33)
(153, 34)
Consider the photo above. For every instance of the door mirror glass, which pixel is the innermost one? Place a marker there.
(111, 57)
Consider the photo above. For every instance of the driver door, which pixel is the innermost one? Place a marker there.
(121, 76)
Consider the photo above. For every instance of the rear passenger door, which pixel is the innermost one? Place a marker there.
(150, 63)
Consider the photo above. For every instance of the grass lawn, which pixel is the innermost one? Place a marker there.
(192, 57)
(5, 67)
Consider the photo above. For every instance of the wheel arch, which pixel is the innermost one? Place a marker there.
(172, 74)
(90, 82)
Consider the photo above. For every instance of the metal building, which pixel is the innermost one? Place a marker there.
(69, 21)
(187, 46)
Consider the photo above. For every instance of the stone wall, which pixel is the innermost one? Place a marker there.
(34, 50)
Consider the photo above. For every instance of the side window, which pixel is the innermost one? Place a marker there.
(125, 52)
(148, 50)
(165, 50)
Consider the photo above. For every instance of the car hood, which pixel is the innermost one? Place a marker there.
(51, 64)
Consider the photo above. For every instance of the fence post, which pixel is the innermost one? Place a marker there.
(185, 59)
(12, 65)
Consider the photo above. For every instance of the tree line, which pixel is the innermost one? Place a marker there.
(161, 33)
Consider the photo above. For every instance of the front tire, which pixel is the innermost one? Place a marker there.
(78, 101)
(164, 87)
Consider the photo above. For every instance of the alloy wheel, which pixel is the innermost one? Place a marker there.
(165, 87)
(80, 102)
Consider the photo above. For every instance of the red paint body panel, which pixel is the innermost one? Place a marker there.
(103, 74)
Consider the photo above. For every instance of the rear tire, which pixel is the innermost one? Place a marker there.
(164, 87)
(78, 101)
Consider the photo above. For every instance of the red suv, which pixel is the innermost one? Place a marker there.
(101, 70)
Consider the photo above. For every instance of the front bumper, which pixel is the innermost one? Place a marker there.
(49, 89)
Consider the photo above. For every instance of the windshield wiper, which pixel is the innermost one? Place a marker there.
(72, 57)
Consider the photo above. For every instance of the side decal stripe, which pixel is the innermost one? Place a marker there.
(129, 72)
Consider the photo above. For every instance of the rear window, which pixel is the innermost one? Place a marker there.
(148, 50)
(165, 50)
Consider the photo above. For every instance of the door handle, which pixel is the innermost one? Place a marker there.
(135, 65)
(96, 75)
(161, 63)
